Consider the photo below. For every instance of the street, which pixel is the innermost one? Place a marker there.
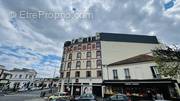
(23, 96)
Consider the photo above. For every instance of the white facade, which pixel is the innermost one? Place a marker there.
(136, 74)
(116, 51)
(1, 71)
(22, 77)
(137, 71)
(5, 75)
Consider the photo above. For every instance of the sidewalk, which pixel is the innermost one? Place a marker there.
(36, 99)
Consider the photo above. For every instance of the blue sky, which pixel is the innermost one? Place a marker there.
(37, 43)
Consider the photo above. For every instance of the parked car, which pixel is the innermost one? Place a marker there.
(86, 97)
(22, 89)
(118, 97)
(60, 96)
(1, 93)
(34, 88)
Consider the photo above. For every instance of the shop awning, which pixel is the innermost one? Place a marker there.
(3, 81)
(137, 82)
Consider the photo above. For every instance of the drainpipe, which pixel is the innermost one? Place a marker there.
(62, 85)
(106, 77)
(72, 89)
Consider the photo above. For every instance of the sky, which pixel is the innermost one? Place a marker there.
(32, 33)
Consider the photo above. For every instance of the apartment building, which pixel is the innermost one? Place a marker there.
(83, 59)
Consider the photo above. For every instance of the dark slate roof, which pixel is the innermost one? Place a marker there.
(128, 38)
(67, 43)
(135, 59)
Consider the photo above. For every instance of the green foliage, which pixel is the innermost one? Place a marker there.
(168, 60)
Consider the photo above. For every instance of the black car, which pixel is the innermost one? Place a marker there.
(118, 97)
(1, 93)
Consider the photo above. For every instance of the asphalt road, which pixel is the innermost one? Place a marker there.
(23, 96)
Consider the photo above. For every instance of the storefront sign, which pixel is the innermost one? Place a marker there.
(77, 89)
(87, 89)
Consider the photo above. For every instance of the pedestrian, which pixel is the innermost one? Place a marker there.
(159, 96)
(149, 94)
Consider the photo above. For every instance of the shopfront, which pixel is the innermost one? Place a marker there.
(77, 89)
(141, 88)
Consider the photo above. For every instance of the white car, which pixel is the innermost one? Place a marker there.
(60, 95)
(22, 89)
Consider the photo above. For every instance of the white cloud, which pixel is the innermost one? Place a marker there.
(46, 36)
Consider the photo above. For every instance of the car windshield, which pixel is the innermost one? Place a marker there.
(60, 94)
(119, 97)
(87, 96)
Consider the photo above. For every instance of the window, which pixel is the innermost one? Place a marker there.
(84, 47)
(65, 49)
(98, 62)
(63, 58)
(79, 55)
(71, 48)
(127, 74)
(155, 72)
(98, 45)
(75, 48)
(68, 74)
(69, 65)
(79, 47)
(15, 76)
(62, 75)
(88, 73)
(68, 49)
(88, 54)
(70, 56)
(77, 74)
(88, 64)
(26, 76)
(98, 54)
(115, 74)
(30, 77)
(99, 73)
(89, 46)
(62, 66)
(78, 64)
(20, 76)
(93, 46)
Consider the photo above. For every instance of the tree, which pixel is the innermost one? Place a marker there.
(168, 60)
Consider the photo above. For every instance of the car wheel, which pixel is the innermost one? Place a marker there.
(50, 99)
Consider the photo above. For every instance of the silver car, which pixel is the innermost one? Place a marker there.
(118, 97)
